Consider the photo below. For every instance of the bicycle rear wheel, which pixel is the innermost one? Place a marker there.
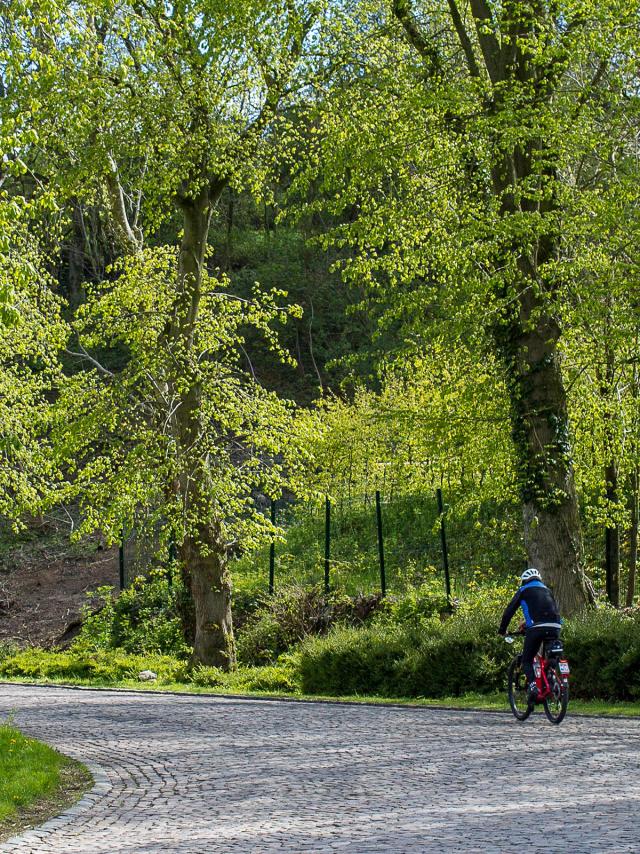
(517, 690)
(555, 706)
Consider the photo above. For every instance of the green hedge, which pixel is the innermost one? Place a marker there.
(464, 654)
(353, 661)
(113, 667)
(603, 648)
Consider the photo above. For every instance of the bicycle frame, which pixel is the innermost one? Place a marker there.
(553, 689)
(540, 670)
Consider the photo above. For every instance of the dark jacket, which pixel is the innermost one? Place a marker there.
(538, 606)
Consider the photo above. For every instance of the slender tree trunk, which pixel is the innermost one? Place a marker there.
(203, 552)
(612, 539)
(635, 488)
(633, 538)
(230, 221)
(612, 531)
(76, 253)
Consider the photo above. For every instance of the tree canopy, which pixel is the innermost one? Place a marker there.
(448, 189)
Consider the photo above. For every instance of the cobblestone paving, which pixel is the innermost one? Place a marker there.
(201, 774)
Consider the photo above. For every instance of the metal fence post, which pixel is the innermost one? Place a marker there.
(173, 554)
(383, 577)
(443, 542)
(327, 541)
(121, 559)
(272, 551)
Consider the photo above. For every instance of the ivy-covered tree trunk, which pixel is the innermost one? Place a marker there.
(527, 339)
(528, 342)
(203, 552)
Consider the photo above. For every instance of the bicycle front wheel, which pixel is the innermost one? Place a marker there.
(517, 690)
(555, 706)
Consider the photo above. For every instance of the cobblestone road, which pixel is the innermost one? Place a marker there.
(201, 774)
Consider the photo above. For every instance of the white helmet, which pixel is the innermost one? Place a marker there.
(528, 574)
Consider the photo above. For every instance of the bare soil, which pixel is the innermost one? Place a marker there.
(44, 581)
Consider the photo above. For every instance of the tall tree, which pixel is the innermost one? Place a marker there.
(158, 107)
(456, 143)
(516, 55)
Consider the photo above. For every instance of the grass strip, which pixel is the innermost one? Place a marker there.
(36, 782)
(472, 702)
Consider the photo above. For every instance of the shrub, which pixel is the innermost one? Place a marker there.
(274, 679)
(7, 648)
(293, 613)
(144, 618)
(262, 639)
(603, 647)
(277, 678)
(418, 604)
(354, 661)
(208, 677)
(463, 654)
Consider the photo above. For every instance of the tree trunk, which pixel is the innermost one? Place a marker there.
(633, 539)
(206, 576)
(528, 340)
(612, 531)
(635, 490)
(75, 255)
(612, 539)
(203, 552)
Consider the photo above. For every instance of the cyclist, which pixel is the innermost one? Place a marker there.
(541, 621)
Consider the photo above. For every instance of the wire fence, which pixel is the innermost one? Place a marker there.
(360, 544)
(367, 544)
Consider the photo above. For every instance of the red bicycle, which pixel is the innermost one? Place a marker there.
(552, 678)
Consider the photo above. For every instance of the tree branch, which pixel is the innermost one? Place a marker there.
(489, 44)
(115, 192)
(588, 90)
(465, 40)
(86, 357)
(403, 12)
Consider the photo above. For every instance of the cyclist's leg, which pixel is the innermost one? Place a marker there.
(532, 639)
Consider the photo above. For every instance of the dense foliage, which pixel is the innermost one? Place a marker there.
(346, 648)
(257, 248)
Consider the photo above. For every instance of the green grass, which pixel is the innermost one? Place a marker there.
(35, 781)
(482, 702)
(485, 540)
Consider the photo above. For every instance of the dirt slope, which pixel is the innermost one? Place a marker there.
(44, 580)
